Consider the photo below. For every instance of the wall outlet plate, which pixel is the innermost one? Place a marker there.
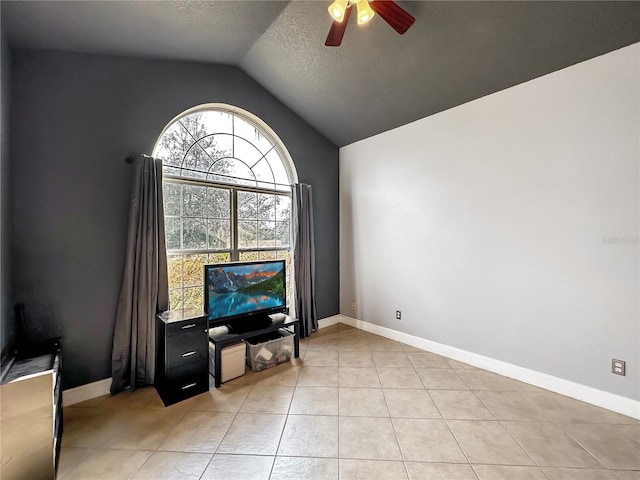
(353, 305)
(398, 314)
(618, 367)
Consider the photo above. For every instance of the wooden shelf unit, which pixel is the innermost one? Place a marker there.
(31, 413)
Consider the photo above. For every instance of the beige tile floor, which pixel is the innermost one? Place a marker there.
(359, 407)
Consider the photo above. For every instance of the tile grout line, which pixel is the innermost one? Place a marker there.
(395, 433)
(339, 418)
(502, 422)
(522, 447)
(583, 446)
(509, 433)
(440, 412)
(438, 409)
(229, 427)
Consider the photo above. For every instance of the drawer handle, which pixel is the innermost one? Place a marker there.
(188, 354)
(188, 326)
(189, 386)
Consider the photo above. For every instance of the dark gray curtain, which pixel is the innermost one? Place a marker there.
(304, 255)
(144, 288)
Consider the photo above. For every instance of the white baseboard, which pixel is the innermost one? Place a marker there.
(594, 396)
(86, 392)
(328, 321)
(610, 401)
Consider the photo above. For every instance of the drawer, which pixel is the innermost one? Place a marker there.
(188, 347)
(185, 382)
(184, 326)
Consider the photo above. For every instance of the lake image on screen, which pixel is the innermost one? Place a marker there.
(243, 289)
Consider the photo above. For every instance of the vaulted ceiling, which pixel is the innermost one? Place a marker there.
(377, 80)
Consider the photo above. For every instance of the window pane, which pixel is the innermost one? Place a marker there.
(194, 199)
(247, 205)
(218, 204)
(193, 126)
(222, 257)
(194, 233)
(252, 134)
(219, 148)
(286, 255)
(193, 268)
(217, 122)
(266, 234)
(283, 208)
(195, 145)
(174, 270)
(219, 234)
(283, 236)
(171, 197)
(240, 171)
(173, 145)
(247, 234)
(277, 166)
(193, 297)
(175, 299)
(196, 163)
(204, 146)
(170, 170)
(266, 207)
(263, 174)
(252, 256)
(246, 151)
(248, 256)
(172, 233)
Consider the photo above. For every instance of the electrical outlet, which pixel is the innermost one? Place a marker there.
(398, 315)
(618, 366)
(353, 305)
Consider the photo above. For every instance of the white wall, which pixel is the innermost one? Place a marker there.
(508, 226)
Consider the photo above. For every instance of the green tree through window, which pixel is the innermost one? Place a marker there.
(227, 196)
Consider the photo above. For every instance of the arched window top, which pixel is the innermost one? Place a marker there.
(227, 195)
(224, 144)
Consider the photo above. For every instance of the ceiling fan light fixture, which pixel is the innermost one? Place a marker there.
(388, 10)
(337, 8)
(365, 12)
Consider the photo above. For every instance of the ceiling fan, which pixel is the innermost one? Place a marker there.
(389, 10)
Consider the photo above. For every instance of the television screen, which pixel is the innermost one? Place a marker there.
(234, 290)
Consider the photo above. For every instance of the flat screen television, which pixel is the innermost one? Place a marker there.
(244, 293)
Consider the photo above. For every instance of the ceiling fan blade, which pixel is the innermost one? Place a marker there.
(336, 32)
(393, 14)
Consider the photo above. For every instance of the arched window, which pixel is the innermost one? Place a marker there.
(227, 195)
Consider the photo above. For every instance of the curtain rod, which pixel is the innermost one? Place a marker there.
(131, 158)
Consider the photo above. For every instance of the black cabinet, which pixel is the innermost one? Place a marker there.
(182, 354)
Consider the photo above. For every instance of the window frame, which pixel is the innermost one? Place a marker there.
(234, 251)
(233, 189)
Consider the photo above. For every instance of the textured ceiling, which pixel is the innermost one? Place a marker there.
(377, 79)
(205, 31)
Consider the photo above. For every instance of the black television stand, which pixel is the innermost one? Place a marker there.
(250, 324)
(272, 323)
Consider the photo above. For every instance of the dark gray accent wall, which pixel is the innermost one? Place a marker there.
(74, 118)
(7, 330)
